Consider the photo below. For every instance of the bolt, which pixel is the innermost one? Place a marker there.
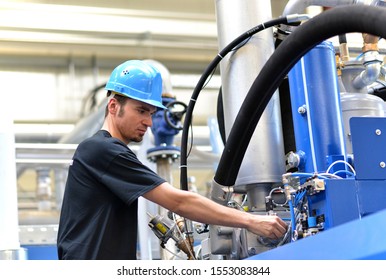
(382, 164)
(378, 132)
(302, 109)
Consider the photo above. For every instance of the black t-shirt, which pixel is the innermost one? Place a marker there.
(99, 211)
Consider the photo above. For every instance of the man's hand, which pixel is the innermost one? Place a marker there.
(268, 226)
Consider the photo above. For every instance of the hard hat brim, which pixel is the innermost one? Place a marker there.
(147, 101)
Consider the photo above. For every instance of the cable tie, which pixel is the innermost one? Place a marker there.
(183, 166)
(220, 55)
(194, 100)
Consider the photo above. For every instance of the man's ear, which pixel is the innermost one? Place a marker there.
(113, 106)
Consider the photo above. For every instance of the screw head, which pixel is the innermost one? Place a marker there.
(302, 109)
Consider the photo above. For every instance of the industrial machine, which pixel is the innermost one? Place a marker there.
(333, 174)
(302, 120)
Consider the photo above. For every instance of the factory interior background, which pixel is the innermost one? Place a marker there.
(55, 57)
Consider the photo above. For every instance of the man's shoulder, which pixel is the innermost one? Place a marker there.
(101, 141)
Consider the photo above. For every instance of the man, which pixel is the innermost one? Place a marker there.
(99, 212)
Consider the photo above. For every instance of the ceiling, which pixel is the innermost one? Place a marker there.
(42, 34)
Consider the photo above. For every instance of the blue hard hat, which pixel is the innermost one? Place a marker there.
(138, 80)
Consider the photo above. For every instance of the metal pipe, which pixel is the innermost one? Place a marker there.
(148, 243)
(372, 70)
(237, 73)
(164, 170)
(9, 231)
(298, 6)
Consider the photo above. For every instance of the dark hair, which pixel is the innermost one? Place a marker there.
(120, 98)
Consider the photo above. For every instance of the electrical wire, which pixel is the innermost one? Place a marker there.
(285, 237)
(310, 175)
(345, 172)
(292, 214)
(174, 254)
(329, 175)
(244, 200)
(341, 161)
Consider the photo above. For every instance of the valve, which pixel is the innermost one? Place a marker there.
(174, 116)
(167, 122)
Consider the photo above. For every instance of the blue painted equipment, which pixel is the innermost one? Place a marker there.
(163, 132)
(316, 108)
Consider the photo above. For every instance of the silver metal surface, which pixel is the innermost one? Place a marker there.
(238, 71)
(16, 254)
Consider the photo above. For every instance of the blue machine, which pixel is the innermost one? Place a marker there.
(332, 200)
(350, 199)
(343, 218)
(337, 207)
(340, 159)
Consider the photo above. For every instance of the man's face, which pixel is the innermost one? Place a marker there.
(133, 119)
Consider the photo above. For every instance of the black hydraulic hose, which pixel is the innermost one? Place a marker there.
(380, 92)
(336, 21)
(208, 71)
(342, 39)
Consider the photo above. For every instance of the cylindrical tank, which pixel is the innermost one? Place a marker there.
(316, 108)
(357, 102)
(264, 158)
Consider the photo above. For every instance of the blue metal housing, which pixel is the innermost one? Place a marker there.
(316, 110)
(368, 136)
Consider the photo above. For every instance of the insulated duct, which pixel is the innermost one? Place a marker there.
(339, 20)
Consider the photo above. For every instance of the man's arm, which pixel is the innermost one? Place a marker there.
(201, 209)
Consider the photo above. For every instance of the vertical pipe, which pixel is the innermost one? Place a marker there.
(148, 242)
(264, 158)
(164, 170)
(9, 223)
(316, 110)
(60, 185)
